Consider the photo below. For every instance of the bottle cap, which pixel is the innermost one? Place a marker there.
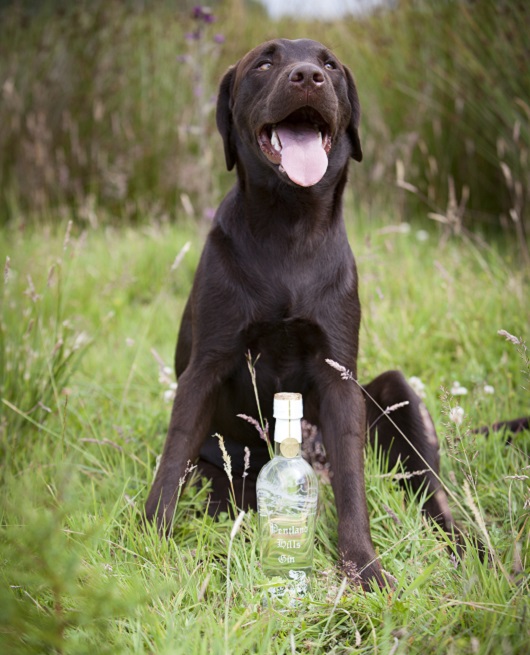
(288, 406)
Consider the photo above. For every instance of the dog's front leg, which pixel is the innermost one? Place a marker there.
(342, 420)
(190, 420)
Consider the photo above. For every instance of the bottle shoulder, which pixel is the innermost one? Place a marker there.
(295, 466)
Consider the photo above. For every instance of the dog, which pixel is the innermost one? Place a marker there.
(277, 279)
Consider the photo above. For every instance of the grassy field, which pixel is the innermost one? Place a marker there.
(89, 320)
(107, 118)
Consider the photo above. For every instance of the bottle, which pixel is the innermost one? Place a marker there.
(287, 492)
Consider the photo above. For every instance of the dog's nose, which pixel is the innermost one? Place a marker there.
(307, 76)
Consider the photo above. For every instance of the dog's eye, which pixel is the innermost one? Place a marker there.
(264, 66)
(330, 65)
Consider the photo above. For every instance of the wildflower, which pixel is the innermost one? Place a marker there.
(82, 339)
(392, 515)
(489, 389)
(44, 407)
(509, 337)
(227, 461)
(263, 431)
(263, 425)
(51, 276)
(392, 408)
(345, 374)
(169, 394)
(30, 291)
(189, 468)
(203, 14)
(422, 235)
(417, 386)
(67, 235)
(458, 390)
(7, 269)
(456, 415)
(165, 375)
(389, 409)
(246, 462)
(219, 38)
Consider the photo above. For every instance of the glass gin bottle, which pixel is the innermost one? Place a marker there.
(287, 492)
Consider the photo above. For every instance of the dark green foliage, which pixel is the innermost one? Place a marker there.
(107, 107)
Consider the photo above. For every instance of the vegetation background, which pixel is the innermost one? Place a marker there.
(110, 170)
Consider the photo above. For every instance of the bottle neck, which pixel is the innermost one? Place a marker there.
(287, 437)
(292, 451)
(288, 428)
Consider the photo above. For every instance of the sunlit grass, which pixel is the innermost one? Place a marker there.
(80, 573)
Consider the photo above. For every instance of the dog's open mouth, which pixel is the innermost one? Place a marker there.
(299, 145)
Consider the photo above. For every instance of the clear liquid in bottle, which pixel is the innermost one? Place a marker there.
(287, 492)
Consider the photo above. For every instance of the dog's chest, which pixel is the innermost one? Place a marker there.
(286, 342)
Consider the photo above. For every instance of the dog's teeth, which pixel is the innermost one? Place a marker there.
(320, 138)
(275, 142)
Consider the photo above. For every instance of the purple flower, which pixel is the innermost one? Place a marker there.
(203, 13)
(219, 38)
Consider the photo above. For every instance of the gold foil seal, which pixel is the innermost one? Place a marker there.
(289, 447)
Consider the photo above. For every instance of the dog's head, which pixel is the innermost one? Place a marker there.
(290, 106)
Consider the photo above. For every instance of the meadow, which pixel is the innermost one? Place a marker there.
(97, 264)
(87, 331)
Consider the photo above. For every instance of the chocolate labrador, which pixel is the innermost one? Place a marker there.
(277, 279)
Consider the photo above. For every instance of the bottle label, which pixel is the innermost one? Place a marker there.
(289, 447)
(288, 543)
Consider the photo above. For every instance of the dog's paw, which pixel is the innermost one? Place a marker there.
(369, 575)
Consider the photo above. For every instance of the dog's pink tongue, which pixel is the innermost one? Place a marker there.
(303, 157)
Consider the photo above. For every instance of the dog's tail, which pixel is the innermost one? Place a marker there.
(513, 427)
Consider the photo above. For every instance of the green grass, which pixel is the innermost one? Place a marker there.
(79, 574)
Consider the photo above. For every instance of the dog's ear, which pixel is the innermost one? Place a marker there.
(223, 116)
(353, 127)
